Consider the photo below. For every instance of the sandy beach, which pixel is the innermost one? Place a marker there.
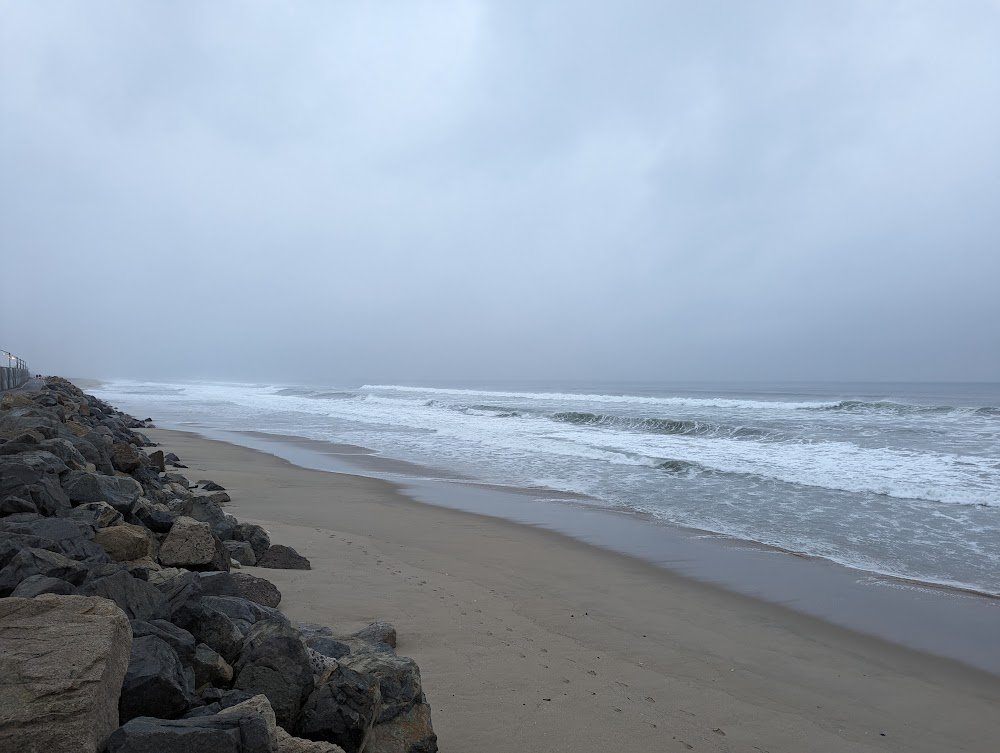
(529, 640)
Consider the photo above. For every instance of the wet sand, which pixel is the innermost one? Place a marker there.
(530, 640)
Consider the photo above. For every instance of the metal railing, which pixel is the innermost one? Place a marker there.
(13, 371)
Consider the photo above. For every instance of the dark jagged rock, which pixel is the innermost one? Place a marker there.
(126, 457)
(13, 504)
(137, 598)
(12, 543)
(278, 666)
(342, 711)
(281, 557)
(177, 638)
(120, 492)
(73, 538)
(208, 734)
(31, 481)
(158, 461)
(254, 535)
(155, 683)
(328, 646)
(211, 486)
(211, 627)
(210, 668)
(36, 585)
(257, 590)
(207, 511)
(33, 561)
(96, 514)
(243, 611)
(242, 552)
(180, 589)
(157, 521)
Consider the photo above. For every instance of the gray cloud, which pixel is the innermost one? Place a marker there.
(392, 191)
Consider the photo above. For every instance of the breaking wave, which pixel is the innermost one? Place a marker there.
(662, 425)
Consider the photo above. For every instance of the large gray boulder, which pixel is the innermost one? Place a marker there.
(378, 633)
(220, 733)
(281, 557)
(72, 537)
(120, 492)
(210, 668)
(137, 598)
(155, 683)
(33, 561)
(342, 711)
(61, 658)
(275, 662)
(192, 545)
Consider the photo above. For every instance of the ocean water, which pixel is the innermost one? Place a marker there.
(896, 479)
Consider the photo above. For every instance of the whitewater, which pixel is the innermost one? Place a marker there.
(896, 479)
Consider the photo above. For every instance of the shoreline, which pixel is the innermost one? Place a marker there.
(746, 665)
(937, 619)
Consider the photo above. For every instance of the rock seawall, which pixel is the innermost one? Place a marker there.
(124, 628)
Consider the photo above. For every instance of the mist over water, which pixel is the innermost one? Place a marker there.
(892, 478)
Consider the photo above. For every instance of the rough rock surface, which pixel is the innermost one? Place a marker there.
(254, 535)
(155, 683)
(378, 632)
(210, 668)
(31, 561)
(281, 557)
(61, 657)
(137, 598)
(342, 711)
(410, 732)
(242, 552)
(191, 544)
(278, 666)
(398, 678)
(120, 492)
(126, 542)
(258, 590)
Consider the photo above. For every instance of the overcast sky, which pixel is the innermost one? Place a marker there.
(401, 191)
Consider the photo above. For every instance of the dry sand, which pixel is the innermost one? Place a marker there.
(531, 641)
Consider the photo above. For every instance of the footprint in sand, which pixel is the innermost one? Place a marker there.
(650, 699)
(592, 672)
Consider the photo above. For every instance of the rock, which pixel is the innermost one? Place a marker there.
(378, 632)
(101, 514)
(120, 492)
(72, 537)
(61, 658)
(280, 557)
(398, 678)
(242, 552)
(66, 451)
(192, 545)
(36, 585)
(11, 544)
(155, 683)
(137, 598)
(410, 732)
(210, 668)
(254, 535)
(211, 486)
(158, 461)
(243, 611)
(207, 511)
(126, 542)
(179, 589)
(277, 665)
(179, 639)
(33, 561)
(219, 733)
(257, 590)
(171, 458)
(12, 505)
(157, 521)
(212, 628)
(25, 476)
(328, 646)
(289, 744)
(126, 457)
(342, 711)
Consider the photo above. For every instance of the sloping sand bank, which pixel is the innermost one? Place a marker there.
(531, 641)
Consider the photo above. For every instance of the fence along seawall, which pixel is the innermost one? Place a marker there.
(13, 371)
